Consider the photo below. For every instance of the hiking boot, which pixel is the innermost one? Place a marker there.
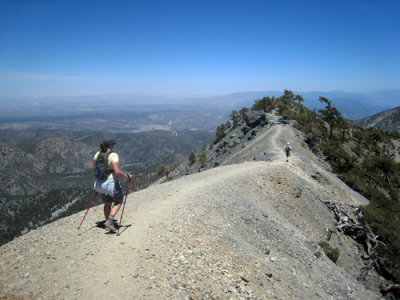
(110, 225)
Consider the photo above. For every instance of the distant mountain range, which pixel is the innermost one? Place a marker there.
(145, 113)
(388, 120)
(353, 106)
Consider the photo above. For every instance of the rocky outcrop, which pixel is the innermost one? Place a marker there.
(257, 118)
(254, 118)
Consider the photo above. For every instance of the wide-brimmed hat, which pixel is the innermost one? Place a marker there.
(108, 143)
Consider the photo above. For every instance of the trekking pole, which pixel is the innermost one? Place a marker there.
(87, 210)
(123, 207)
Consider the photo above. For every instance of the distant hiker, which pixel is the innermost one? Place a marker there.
(167, 172)
(106, 167)
(287, 150)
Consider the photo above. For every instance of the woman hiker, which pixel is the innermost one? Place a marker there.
(107, 171)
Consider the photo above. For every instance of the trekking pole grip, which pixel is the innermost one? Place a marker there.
(129, 178)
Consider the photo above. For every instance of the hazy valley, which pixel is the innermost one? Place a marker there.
(138, 113)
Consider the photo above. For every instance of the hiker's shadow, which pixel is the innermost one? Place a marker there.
(101, 224)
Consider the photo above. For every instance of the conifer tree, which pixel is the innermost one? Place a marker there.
(330, 114)
(344, 125)
(220, 133)
(203, 156)
(299, 98)
(242, 111)
(192, 158)
(235, 118)
(287, 96)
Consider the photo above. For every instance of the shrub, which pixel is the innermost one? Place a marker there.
(192, 158)
(332, 253)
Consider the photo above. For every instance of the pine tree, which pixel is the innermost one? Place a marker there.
(220, 132)
(242, 111)
(299, 98)
(192, 158)
(330, 114)
(235, 118)
(203, 157)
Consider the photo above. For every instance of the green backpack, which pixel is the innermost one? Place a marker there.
(102, 170)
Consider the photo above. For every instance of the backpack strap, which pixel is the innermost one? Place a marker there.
(109, 170)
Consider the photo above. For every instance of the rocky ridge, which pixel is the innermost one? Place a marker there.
(250, 141)
(247, 229)
(388, 120)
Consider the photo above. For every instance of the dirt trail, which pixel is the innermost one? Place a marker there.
(248, 230)
(257, 145)
(269, 145)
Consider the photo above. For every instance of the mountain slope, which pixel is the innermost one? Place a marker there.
(388, 120)
(249, 229)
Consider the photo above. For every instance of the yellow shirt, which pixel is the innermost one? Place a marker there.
(112, 157)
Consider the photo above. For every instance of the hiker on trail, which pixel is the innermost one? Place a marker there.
(287, 150)
(107, 172)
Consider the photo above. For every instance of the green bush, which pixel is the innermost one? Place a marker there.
(332, 253)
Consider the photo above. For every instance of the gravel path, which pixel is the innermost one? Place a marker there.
(245, 230)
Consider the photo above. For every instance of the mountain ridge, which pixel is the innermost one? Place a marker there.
(388, 120)
(248, 229)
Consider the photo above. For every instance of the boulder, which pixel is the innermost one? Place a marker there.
(254, 118)
(285, 119)
(246, 129)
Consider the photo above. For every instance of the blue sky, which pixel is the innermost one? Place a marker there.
(193, 48)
